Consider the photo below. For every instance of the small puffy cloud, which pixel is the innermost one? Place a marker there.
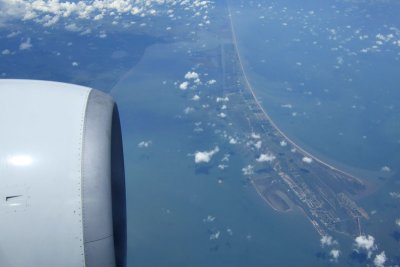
(222, 166)
(395, 195)
(268, 157)
(184, 86)
(98, 17)
(13, 34)
(6, 52)
(205, 156)
(307, 160)
(255, 136)
(73, 27)
(144, 144)
(380, 259)
(222, 99)
(196, 98)
(327, 240)
(248, 170)
(211, 82)
(103, 35)
(385, 169)
(283, 143)
(258, 144)
(209, 219)
(188, 110)
(366, 243)
(25, 45)
(397, 222)
(215, 235)
(222, 115)
(191, 75)
(232, 141)
(334, 253)
(229, 231)
(75, 64)
(226, 158)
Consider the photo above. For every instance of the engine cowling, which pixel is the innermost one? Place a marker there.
(62, 184)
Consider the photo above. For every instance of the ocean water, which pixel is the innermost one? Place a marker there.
(319, 74)
(327, 74)
(170, 197)
(305, 61)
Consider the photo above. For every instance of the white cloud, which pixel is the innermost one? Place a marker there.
(232, 141)
(397, 222)
(25, 45)
(266, 158)
(334, 253)
(48, 12)
(211, 82)
(75, 64)
(380, 259)
(327, 240)
(184, 86)
(307, 160)
(191, 75)
(222, 115)
(6, 52)
(258, 144)
(283, 143)
(222, 166)
(196, 98)
(215, 235)
(222, 99)
(145, 144)
(13, 34)
(385, 169)
(248, 170)
(209, 218)
(103, 34)
(205, 156)
(73, 27)
(188, 110)
(229, 231)
(98, 17)
(255, 136)
(226, 158)
(394, 194)
(366, 243)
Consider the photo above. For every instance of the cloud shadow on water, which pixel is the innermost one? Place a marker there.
(396, 235)
(357, 256)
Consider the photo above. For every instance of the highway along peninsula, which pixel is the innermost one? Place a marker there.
(285, 175)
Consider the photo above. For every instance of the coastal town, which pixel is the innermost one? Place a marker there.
(286, 176)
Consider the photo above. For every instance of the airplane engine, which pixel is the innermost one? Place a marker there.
(62, 184)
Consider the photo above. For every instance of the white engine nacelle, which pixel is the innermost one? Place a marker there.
(62, 184)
